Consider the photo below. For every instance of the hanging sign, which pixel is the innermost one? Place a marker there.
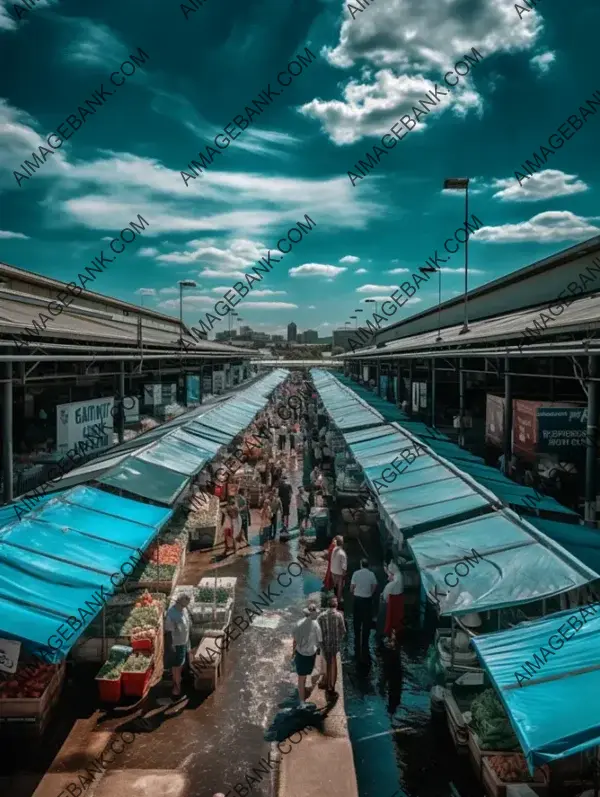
(10, 650)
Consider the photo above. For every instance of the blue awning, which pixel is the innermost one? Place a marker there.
(516, 564)
(582, 541)
(57, 564)
(147, 480)
(548, 678)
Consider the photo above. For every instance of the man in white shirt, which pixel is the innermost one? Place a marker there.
(307, 639)
(362, 587)
(339, 566)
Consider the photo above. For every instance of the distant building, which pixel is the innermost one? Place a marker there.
(310, 336)
(292, 333)
(277, 339)
(341, 337)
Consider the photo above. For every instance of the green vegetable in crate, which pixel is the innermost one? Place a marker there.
(138, 662)
(207, 595)
(110, 670)
(491, 724)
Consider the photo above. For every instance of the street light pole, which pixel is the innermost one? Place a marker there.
(459, 184)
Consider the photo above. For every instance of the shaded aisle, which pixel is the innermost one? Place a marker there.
(399, 749)
(211, 745)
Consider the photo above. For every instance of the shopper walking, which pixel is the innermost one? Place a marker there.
(282, 436)
(230, 519)
(393, 597)
(285, 496)
(362, 586)
(339, 566)
(275, 510)
(303, 509)
(265, 523)
(307, 638)
(177, 625)
(333, 629)
(242, 505)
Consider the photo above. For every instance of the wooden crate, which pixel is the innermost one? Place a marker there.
(476, 753)
(456, 723)
(207, 676)
(31, 715)
(495, 787)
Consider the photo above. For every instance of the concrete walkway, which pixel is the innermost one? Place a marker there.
(210, 744)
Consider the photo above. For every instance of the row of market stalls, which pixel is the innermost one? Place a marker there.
(505, 567)
(64, 554)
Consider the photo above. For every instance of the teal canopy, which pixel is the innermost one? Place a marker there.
(55, 563)
(514, 564)
(548, 678)
(581, 541)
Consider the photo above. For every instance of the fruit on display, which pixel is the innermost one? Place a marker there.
(164, 553)
(513, 769)
(138, 662)
(29, 681)
(153, 572)
(122, 619)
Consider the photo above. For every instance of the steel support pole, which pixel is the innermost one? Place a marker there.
(378, 377)
(120, 416)
(399, 384)
(432, 366)
(591, 454)
(461, 402)
(508, 416)
(410, 383)
(202, 379)
(7, 434)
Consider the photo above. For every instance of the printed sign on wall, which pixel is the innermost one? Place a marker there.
(84, 426)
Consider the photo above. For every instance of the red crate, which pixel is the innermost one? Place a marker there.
(143, 645)
(110, 690)
(136, 683)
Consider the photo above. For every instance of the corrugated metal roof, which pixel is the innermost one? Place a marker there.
(582, 313)
(18, 311)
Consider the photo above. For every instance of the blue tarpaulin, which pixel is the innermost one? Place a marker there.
(61, 558)
(582, 541)
(515, 564)
(548, 678)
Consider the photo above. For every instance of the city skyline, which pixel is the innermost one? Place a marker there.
(296, 148)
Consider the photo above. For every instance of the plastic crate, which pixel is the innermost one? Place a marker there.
(109, 690)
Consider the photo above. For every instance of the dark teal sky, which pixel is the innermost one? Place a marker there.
(294, 158)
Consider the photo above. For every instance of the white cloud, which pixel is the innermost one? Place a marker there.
(145, 292)
(361, 271)
(267, 292)
(547, 184)
(168, 291)
(398, 270)
(370, 110)
(549, 227)
(93, 44)
(542, 61)
(311, 307)
(377, 288)
(412, 45)
(270, 305)
(225, 260)
(9, 20)
(8, 234)
(350, 259)
(316, 270)
(148, 251)
(188, 302)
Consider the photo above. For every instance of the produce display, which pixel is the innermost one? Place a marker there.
(153, 572)
(205, 512)
(29, 681)
(113, 667)
(164, 553)
(137, 662)
(490, 723)
(207, 595)
(124, 619)
(513, 769)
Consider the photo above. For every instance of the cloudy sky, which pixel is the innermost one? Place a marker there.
(294, 158)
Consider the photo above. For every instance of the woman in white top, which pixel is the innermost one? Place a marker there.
(393, 597)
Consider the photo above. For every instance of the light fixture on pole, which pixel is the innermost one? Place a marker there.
(373, 301)
(355, 318)
(183, 284)
(460, 184)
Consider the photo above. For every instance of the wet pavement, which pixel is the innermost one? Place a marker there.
(208, 744)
